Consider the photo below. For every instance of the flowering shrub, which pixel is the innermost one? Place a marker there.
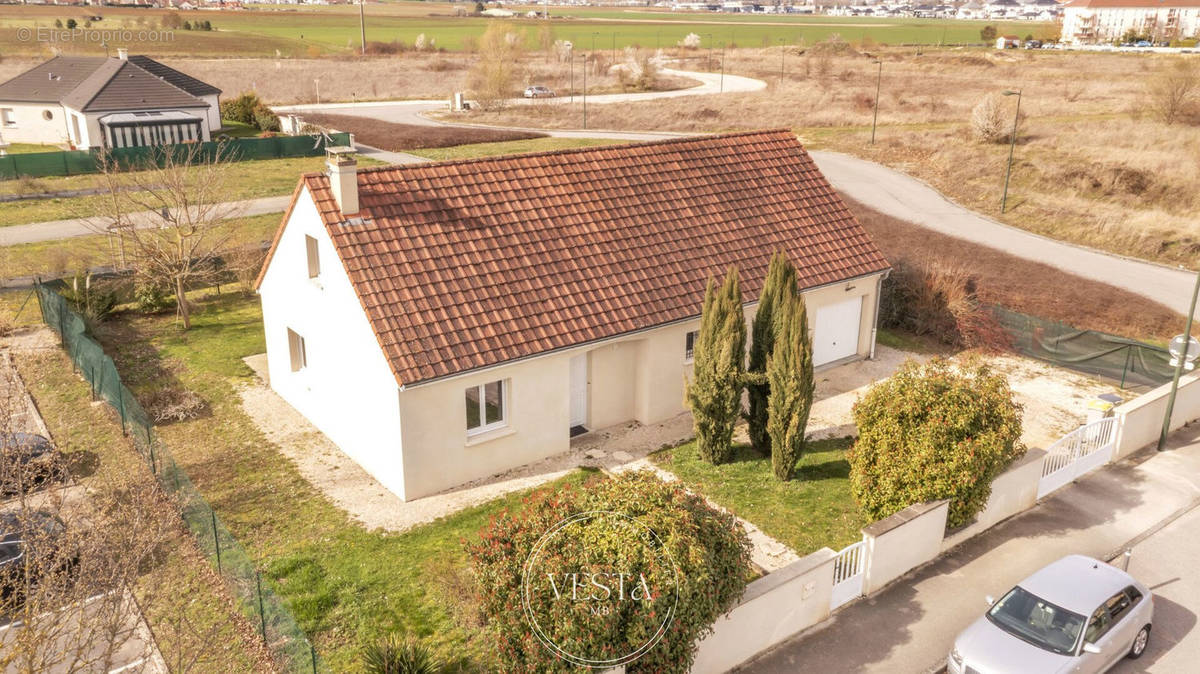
(693, 565)
(930, 432)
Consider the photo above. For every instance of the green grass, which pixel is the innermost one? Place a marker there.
(246, 180)
(237, 129)
(64, 256)
(345, 585)
(813, 510)
(28, 148)
(508, 147)
(904, 341)
(184, 605)
(315, 30)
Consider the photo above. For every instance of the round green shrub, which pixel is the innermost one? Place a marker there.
(930, 432)
(708, 553)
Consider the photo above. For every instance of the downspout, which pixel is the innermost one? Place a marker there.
(875, 323)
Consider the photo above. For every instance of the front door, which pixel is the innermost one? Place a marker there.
(579, 393)
(835, 333)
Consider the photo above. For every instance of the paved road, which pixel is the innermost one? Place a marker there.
(911, 625)
(902, 196)
(64, 229)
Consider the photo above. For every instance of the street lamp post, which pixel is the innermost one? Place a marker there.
(782, 53)
(710, 41)
(722, 88)
(1012, 145)
(614, 57)
(878, 82)
(585, 58)
(572, 77)
(1187, 333)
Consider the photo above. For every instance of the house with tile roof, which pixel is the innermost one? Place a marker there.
(449, 321)
(97, 101)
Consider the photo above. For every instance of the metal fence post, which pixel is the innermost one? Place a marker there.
(313, 652)
(121, 408)
(261, 613)
(216, 539)
(1125, 370)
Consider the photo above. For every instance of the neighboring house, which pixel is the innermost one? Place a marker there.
(96, 101)
(447, 322)
(1106, 21)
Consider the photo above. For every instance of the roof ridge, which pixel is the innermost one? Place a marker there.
(100, 86)
(576, 150)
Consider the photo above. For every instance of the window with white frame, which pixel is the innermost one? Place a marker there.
(486, 407)
(297, 351)
(314, 259)
(7, 118)
(689, 345)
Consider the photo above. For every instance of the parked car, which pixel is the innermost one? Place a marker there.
(1075, 615)
(1143, 43)
(31, 541)
(27, 461)
(538, 91)
(1033, 44)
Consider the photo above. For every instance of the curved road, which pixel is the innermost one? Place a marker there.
(886, 190)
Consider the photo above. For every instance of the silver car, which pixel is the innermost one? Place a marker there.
(1075, 615)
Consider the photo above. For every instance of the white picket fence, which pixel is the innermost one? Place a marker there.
(1083, 449)
(848, 570)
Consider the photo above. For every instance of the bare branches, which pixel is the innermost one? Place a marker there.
(168, 218)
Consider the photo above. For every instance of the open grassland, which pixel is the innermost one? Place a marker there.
(1092, 165)
(295, 31)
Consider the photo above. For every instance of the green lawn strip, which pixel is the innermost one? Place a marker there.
(508, 147)
(67, 256)
(30, 148)
(246, 180)
(186, 608)
(237, 129)
(344, 584)
(813, 510)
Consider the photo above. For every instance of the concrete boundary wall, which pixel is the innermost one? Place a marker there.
(897, 544)
(1013, 491)
(1139, 421)
(773, 609)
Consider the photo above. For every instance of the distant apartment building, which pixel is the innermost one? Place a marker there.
(1103, 21)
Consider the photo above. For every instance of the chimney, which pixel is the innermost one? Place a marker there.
(343, 178)
(123, 53)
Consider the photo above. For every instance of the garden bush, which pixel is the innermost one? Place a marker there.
(714, 393)
(934, 431)
(240, 109)
(937, 300)
(392, 655)
(701, 575)
(265, 119)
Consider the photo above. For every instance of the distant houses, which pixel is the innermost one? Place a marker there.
(97, 101)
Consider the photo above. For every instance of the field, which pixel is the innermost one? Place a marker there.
(1093, 163)
(296, 31)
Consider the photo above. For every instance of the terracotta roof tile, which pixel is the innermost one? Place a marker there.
(467, 264)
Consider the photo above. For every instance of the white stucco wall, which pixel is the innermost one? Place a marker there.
(213, 114)
(347, 390)
(32, 127)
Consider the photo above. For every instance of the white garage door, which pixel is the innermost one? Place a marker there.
(835, 335)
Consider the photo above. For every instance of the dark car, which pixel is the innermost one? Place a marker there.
(27, 461)
(31, 548)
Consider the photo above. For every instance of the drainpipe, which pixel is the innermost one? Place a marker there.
(875, 322)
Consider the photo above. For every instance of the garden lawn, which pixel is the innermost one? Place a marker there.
(809, 512)
(344, 584)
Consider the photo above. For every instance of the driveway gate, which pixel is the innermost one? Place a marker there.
(1082, 450)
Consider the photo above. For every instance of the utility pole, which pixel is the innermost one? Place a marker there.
(614, 56)
(572, 87)
(722, 89)
(1012, 145)
(878, 81)
(362, 25)
(1187, 334)
(782, 53)
(710, 41)
(585, 57)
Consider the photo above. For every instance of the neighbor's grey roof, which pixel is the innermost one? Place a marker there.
(180, 79)
(92, 84)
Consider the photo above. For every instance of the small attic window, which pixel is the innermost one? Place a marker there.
(314, 259)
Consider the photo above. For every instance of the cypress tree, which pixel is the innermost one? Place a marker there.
(714, 393)
(790, 377)
(781, 280)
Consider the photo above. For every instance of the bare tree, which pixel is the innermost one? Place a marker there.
(168, 218)
(1173, 90)
(493, 76)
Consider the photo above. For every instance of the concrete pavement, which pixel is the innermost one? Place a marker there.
(911, 625)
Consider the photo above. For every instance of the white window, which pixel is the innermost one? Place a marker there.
(486, 407)
(6, 117)
(314, 259)
(297, 351)
(689, 345)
